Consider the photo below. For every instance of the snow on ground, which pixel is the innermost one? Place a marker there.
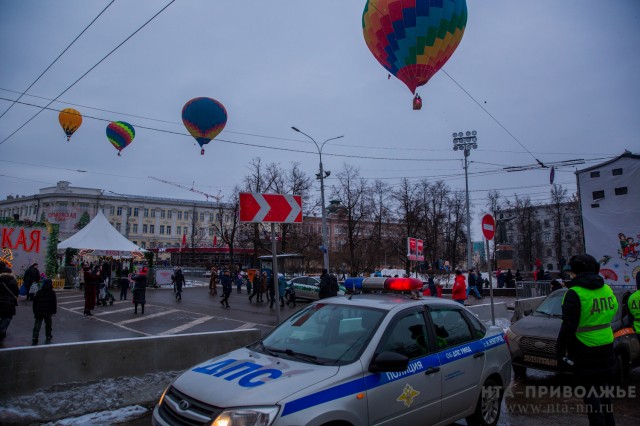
(111, 401)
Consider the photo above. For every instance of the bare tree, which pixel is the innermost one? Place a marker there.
(558, 199)
(454, 234)
(381, 216)
(409, 212)
(529, 245)
(439, 194)
(227, 221)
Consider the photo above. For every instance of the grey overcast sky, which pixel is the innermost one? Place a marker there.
(558, 79)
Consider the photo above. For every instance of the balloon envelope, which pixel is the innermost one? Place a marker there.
(204, 118)
(70, 119)
(413, 39)
(120, 134)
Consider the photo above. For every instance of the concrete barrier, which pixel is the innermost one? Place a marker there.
(484, 311)
(25, 369)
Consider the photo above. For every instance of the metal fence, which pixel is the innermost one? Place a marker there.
(527, 289)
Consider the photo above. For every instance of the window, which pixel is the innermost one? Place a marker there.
(218, 217)
(161, 229)
(153, 212)
(595, 174)
(112, 210)
(119, 211)
(143, 244)
(152, 229)
(118, 227)
(168, 229)
(145, 212)
(210, 217)
(135, 228)
(163, 214)
(201, 217)
(451, 329)
(179, 216)
(144, 228)
(621, 190)
(179, 229)
(168, 214)
(128, 211)
(186, 215)
(407, 336)
(597, 195)
(135, 212)
(616, 172)
(547, 223)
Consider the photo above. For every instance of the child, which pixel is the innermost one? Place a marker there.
(45, 305)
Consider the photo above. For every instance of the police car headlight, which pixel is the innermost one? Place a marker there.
(246, 416)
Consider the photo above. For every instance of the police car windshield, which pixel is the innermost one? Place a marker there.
(552, 305)
(323, 334)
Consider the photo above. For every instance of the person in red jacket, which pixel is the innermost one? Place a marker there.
(459, 290)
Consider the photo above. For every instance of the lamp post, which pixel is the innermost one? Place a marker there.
(466, 142)
(321, 176)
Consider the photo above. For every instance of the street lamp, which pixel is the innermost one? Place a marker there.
(321, 176)
(466, 142)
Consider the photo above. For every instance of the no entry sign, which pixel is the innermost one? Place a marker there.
(488, 226)
(270, 208)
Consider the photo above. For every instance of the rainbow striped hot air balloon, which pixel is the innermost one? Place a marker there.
(413, 39)
(204, 118)
(120, 134)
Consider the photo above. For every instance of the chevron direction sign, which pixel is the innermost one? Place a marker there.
(270, 208)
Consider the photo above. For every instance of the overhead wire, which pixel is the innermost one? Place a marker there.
(89, 70)
(56, 59)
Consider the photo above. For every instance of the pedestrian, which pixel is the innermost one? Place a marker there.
(500, 277)
(585, 340)
(328, 285)
(282, 288)
(246, 279)
(139, 290)
(91, 279)
(45, 305)
(31, 275)
(213, 281)
(179, 283)
(105, 273)
(124, 287)
(226, 288)
(459, 290)
(271, 290)
(8, 298)
(257, 287)
(438, 287)
(432, 286)
(509, 279)
(472, 286)
(518, 275)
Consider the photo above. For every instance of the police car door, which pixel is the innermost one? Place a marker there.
(461, 357)
(411, 396)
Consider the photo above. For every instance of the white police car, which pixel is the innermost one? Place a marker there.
(307, 287)
(366, 359)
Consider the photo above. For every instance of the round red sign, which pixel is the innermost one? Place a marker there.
(488, 226)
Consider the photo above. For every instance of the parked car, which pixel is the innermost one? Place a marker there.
(532, 339)
(369, 359)
(308, 287)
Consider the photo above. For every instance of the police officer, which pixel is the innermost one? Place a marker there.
(585, 339)
(633, 304)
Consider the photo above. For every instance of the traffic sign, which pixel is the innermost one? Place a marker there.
(270, 208)
(488, 226)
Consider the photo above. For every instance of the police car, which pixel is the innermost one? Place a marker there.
(366, 359)
(307, 287)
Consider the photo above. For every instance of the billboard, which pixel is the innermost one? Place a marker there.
(25, 243)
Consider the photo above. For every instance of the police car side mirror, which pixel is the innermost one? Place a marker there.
(388, 361)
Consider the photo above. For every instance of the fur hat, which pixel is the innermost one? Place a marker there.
(584, 263)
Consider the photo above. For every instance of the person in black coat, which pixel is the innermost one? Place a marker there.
(328, 285)
(178, 280)
(139, 291)
(8, 298)
(227, 284)
(45, 305)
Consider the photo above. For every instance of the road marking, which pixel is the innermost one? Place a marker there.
(144, 317)
(114, 311)
(246, 326)
(186, 326)
(93, 318)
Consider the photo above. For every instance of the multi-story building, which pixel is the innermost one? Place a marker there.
(552, 234)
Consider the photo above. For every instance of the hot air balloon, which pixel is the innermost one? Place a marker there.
(120, 134)
(204, 118)
(413, 39)
(70, 119)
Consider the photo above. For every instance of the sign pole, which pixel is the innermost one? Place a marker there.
(493, 315)
(274, 270)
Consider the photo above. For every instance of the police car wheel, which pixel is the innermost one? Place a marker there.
(487, 410)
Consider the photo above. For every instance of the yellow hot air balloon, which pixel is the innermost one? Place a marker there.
(70, 119)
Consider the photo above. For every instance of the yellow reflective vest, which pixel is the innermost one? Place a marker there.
(597, 309)
(634, 308)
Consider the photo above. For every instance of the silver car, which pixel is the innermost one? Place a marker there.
(369, 359)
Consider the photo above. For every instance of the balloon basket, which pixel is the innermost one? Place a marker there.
(202, 151)
(119, 154)
(68, 138)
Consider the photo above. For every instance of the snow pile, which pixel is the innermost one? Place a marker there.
(116, 397)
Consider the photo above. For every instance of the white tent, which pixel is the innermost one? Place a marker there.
(101, 239)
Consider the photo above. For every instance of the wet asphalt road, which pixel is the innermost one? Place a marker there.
(200, 311)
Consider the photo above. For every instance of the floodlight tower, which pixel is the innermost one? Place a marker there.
(466, 142)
